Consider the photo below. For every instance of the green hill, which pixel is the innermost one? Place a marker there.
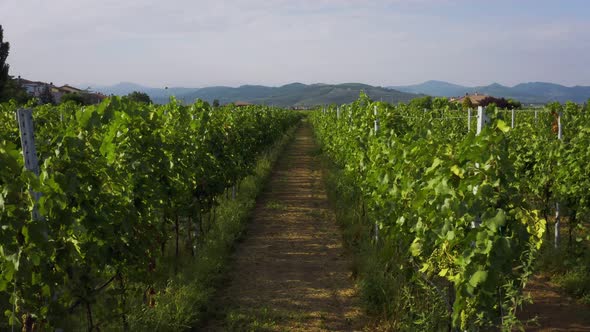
(534, 92)
(295, 94)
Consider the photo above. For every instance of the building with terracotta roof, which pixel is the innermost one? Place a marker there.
(242, 103)
(476, 98)
(70, 89)
(35, 89)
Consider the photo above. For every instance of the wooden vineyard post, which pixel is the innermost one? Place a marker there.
(25, 124)
(469, 120)
(557, 210)
(338, 113)
(513, 118)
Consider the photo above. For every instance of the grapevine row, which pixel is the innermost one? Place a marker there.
(117, 180)
(465, 212)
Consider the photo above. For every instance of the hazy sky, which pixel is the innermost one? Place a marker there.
(273, 42)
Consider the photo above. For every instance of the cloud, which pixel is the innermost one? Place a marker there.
(381, 42)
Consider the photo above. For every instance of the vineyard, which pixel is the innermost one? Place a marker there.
(456, 218)
(115, 218)
(120, 186)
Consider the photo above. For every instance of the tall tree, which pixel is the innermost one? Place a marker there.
(13, 90)
(140, 97)
(4, 48)
(10, 88)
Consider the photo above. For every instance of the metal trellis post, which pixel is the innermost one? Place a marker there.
(25, 124)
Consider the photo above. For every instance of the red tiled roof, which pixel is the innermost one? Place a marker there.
(242, 103)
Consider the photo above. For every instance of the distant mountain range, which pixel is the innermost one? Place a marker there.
(295, 94)
(535, 92)
(125, 88)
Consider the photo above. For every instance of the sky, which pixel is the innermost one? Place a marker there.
(197, 43)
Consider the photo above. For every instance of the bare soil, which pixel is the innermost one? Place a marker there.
(291, 272)
(552, 310)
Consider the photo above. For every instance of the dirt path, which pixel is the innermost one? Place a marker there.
(554, 311)
(291, 272)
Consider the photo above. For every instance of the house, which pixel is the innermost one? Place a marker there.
(89, 97)
(59, 92)
(35, 89)
(242, 103)
(95, 97)
(70, 89)
(476, 98)
(32, 87)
